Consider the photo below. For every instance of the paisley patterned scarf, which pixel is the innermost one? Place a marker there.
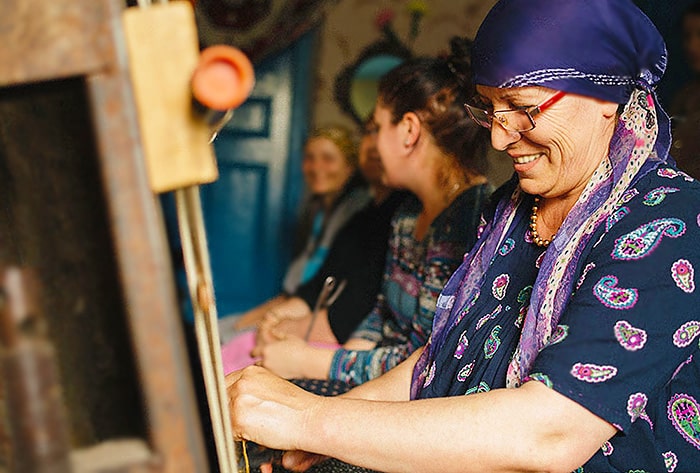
(605, 49)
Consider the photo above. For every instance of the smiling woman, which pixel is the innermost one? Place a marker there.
(554, 340)
(336, 192)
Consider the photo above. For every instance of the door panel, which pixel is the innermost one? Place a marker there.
(250, 211)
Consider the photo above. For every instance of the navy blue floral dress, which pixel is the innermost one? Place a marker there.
(626, 347)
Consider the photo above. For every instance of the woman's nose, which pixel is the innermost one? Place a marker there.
(502, 138)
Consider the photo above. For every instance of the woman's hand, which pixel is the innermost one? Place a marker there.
(268, 330)
(267, 409)
(298, 460)
(286, 356)
(292, 357)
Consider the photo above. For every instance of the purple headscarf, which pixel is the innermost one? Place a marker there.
(597, 48)
(606, 49)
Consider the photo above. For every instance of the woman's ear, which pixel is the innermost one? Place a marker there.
(412, 128)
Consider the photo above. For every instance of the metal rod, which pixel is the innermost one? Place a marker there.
(325, 298)
(200, 283)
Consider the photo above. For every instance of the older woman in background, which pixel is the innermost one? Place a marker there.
(336, 192)
(569, 337)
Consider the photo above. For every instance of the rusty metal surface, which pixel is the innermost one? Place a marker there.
(60, 229)
(143, 257)
(36, 418)
(48, 40)
(77, 207)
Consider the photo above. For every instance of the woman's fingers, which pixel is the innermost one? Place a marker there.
(231, 378)
(265, 340)
(266, 468)
(267, 409)
(296, 460)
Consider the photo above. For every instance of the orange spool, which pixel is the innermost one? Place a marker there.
(222, 81)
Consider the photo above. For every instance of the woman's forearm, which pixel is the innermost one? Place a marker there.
(526, 429)
(394, 385)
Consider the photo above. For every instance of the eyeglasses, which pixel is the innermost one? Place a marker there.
(517, 120)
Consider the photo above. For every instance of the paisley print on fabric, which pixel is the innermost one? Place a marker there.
(507, 247)
(684, 414)
(607, 449)
(500, 286)
(683, 275)
(584, 273)
(524, 302)
(686, 333)
(430, 376)
(494, 313)
(636, 407)
(687, 361)
(541, 377)
(670, 461)
(607, 292)
(467, 307)
(642, 241)
(558, 335)
(629, 337)
(667, 172)
(481, 388)
(656, 196)
(628, 195)
(615, 217)
(465, 372)
(461, 346)
(590, 373)
(492, 343)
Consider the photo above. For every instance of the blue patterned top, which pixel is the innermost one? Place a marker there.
(627, 345)
(414, 275)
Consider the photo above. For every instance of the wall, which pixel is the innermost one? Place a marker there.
(350, 27)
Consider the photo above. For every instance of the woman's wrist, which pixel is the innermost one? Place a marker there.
(316, 362)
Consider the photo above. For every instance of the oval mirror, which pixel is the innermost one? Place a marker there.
(356, 85)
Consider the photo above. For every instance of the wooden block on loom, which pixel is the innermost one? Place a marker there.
(163, 51)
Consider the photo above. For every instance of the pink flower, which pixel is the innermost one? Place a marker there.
(384, 17)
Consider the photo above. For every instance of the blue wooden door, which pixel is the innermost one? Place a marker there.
(250, 211)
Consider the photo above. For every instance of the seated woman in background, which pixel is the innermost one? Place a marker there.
(337, 191)
(429, 146)
(355, 259)
(568, 338)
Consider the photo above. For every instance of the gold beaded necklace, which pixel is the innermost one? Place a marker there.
(536, 239)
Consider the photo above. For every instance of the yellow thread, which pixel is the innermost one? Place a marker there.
(245, 456)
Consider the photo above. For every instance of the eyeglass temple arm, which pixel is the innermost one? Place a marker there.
(548, 103)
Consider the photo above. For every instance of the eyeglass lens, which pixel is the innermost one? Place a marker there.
(512, 120)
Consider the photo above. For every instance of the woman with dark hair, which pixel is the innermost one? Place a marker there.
(429, 146)
(568, 338)
(364, 238)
